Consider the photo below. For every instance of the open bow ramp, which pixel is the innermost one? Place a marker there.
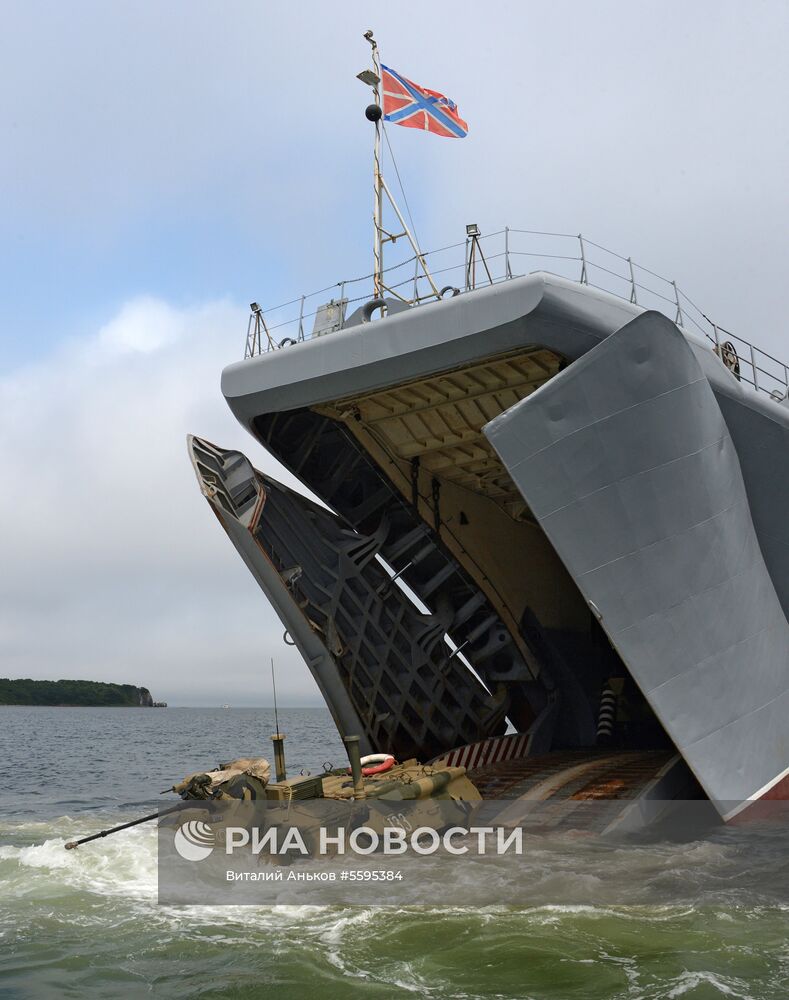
(554, 525)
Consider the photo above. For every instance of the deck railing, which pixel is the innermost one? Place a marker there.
(476, 262)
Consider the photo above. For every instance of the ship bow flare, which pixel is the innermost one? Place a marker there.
(630, 470)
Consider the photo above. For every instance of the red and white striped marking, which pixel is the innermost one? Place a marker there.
(488, 751)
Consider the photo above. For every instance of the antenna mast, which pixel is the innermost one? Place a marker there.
(274, 688)
(278, 739)
(374, 113)
(378, 204)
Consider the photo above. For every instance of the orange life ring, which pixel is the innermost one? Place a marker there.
(376, 763)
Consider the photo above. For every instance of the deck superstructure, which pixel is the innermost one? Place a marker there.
(461, 582)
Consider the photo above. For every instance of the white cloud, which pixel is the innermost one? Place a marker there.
(143, 326)
(113, 566)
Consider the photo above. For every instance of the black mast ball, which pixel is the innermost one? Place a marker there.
(372, 113)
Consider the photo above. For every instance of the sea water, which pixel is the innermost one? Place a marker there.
(86, 923)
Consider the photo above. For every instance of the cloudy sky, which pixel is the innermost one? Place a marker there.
(166, 163)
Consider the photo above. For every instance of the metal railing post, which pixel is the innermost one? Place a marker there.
(257, 326)
(679, 307)
(249, 350)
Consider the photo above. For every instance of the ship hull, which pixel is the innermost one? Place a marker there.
(612, 469)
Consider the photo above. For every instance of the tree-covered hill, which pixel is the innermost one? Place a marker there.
(94, 693)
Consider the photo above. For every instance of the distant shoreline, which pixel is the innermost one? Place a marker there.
(28, 693)
(63, 704)
(191, 708)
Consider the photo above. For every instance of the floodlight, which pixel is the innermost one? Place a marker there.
(472, 230)
(367, 76)
(254, 307)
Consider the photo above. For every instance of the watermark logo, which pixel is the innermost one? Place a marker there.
(194, 840)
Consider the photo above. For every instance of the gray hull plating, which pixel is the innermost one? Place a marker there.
(628, 465)
(661, 481)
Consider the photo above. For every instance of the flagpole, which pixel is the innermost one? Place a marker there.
(378, 247)
(374, 113)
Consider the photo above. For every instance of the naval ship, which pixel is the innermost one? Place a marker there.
(552, 545)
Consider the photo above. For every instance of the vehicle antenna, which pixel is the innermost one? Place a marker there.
(278, 739)
(274, 688)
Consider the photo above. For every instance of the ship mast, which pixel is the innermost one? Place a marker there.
(378, 204)
(374, 113)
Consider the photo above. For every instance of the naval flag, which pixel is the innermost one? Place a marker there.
(406, 103)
